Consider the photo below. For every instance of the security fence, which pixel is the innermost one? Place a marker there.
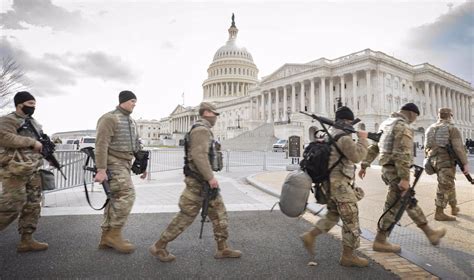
(164, 160)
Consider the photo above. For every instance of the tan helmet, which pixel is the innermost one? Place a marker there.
(445, 111)
(207, 106)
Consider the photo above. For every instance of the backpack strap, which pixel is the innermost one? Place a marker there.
(333, 142)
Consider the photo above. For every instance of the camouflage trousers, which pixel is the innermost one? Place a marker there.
(190, 204)
(123, 194)
(20, 196)
(446, 193)
(415, 212)
(348, 212)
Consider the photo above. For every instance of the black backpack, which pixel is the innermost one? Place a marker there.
(316, 158)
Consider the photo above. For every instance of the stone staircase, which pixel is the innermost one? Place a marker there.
(261, 138)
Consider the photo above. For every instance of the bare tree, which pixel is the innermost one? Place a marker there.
(11, 80)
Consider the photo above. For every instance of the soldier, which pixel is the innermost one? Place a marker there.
(116, 143)
(396, 157)
(343, 198)
(20, 181)
(438, 136)
(200, 170)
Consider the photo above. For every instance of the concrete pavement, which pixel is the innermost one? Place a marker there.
(269, 240)
(453, 259)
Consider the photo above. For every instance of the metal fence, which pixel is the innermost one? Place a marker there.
(164, 160)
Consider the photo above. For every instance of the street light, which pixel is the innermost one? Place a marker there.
(288, 113)
(238, 121)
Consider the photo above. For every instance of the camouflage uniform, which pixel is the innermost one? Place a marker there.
(20, 184)
(396, 147)
(343, 199)
(438, 135)
(190, 201)
(116, 142)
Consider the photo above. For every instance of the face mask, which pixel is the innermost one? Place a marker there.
(28, 110)
(211, 120)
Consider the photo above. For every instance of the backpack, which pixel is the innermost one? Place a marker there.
(315, 163)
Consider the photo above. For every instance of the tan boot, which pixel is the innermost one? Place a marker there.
(103, 245)
(434, 235)
(454, 210)
(28, 244)
(440, 216)
(309, 238)
(382, 245)
(223, 251)
(349, 259)
(113, 238)
(159, 250)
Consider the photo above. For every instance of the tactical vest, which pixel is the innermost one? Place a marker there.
(437, 135)
(346, 167)
(215, 153)
(26, 132)
(386, 141)
(125, 136)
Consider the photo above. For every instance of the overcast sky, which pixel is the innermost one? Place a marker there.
(78, 55)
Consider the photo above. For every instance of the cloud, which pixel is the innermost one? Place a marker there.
(51, 73)
(40, 13)
(167, 45)
(452, 33)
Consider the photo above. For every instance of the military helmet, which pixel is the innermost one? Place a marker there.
(445, 111)
(207, 106)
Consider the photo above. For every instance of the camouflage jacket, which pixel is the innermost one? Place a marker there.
(198, 154)
(401, 156)
(22, 141)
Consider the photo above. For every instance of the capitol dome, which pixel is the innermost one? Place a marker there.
(231, 72)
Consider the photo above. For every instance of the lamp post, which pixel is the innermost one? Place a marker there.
(288, 113)
(238, 121)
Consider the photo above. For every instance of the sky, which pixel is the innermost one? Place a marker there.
(78, 55)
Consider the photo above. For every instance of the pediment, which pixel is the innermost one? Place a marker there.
(287, 70)
(178, 109)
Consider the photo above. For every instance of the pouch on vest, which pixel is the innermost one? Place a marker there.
(295, 193)
(21, 165)
(47, 180)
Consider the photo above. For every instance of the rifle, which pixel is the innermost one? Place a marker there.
(89, 151)
(408, 200)
(208, 194)
(457, 161)
(372, 135)
(48, 146)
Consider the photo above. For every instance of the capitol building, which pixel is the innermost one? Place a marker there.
(372, 83)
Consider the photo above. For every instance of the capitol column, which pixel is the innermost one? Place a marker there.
(251, 109)
(354, 93)
(302, 97)
(221, 94)
(277, 105)
(433, 100)
(285, 104)
(322, 96)
(427, 99)
(331, 97)
(448, 98)
(343, 92)
(269, 118)
(311, 96)
(262, 109)
(293, 98)
(257, 112)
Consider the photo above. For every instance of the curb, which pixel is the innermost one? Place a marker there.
(390, 261)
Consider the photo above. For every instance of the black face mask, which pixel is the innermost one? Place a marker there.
(29, 111)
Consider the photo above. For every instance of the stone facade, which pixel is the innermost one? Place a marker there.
(371, 83)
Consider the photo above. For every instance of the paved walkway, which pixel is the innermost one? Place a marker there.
(453, 259)
(269, 240)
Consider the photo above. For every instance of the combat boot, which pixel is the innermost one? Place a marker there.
(434, 235)
(440, 216)
(454, 209)
(113, 239)
(223, 251)
(28, 243)
(349, 259)
(309, 238)
(159, 250)
(102, 244)
(382, 245)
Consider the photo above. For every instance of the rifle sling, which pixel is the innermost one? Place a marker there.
(87, 192)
